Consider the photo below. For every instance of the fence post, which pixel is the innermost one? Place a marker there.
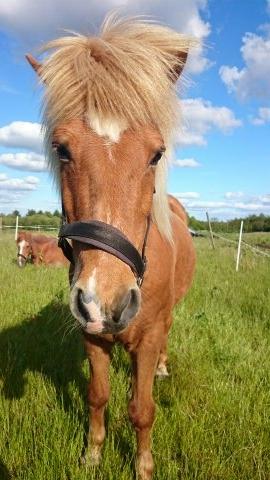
(239, 246)
(16, 227)
(1, 224)
(210, 230)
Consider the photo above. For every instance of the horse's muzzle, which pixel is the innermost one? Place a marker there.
(97, 319)
(21, 260)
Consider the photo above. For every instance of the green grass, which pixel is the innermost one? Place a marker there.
(213, 412)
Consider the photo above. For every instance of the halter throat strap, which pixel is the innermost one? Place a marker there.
(105, 237)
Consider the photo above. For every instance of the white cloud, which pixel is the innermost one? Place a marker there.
(32, 180)
(24, 161)
(22, 135)
(200, 117)
(34, 22)
(205, 204)
(186, 163)
(229, 208)
(265, 199)
(257, 205)
(18, 184)
(252, 81)
(186, 195)
(230, 75)
(263, 116)
(233, 194)
(9, 197)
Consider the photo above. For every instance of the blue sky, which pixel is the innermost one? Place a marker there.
(221, 162)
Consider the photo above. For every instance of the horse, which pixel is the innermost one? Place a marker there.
(109, 113)
(25, 241)
(39, 249)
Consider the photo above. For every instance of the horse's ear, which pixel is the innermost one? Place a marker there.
(34, 63)
(178, 67)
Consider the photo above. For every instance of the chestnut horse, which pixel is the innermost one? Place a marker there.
(39, 249)
(109, 112)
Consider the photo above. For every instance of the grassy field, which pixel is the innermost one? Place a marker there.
(213, 412)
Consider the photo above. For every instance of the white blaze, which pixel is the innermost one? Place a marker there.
(107, 127)
(21, 246)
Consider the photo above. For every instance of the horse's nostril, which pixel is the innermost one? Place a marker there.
(134, 304)
(81, 305)
(134, 296)
(128, 307)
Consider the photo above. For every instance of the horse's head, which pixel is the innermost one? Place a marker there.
(112, 182)
(109, 111)
(24, 248)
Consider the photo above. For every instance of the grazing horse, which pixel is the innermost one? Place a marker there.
(109, 113)
(40, 249)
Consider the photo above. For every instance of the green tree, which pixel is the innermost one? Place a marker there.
(31, 212)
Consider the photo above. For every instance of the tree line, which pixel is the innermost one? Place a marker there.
(33, 218)
(252, 223)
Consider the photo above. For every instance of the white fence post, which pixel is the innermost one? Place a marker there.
(239, 246)
(16, 228)
(210, 230)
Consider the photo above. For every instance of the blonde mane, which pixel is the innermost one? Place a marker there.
(125, 74)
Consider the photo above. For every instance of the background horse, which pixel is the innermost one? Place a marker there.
(40, 249)
(110, 109)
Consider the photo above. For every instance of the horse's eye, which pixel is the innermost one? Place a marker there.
(156, 158)
(62, 152)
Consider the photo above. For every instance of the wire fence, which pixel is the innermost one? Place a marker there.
(31, 227)
(203, 233)
(245, 244)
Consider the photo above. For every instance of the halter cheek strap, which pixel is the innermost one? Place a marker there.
(107, 238)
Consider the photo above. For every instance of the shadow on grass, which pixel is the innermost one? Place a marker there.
(4, 473)
(41, 344)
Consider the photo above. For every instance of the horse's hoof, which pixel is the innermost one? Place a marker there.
(145, 466)
(161, 371)
(91, 458)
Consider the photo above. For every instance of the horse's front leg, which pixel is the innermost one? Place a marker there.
(141, 406)
(98, 353)
(163, 356)
(161, 370)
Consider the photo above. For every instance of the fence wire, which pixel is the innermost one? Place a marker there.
(245, 244)
(216, 235)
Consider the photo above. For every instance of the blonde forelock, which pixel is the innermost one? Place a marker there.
(125, 73)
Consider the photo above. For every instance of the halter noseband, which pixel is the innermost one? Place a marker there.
(23, 256)
(104, 237)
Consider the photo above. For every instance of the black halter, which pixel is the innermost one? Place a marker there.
(104, 237)
(23, 256)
